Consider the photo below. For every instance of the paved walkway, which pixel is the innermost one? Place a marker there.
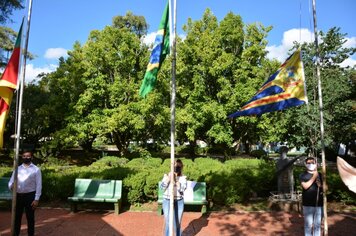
(62, 222)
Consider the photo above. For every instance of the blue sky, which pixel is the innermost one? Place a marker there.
(57, 24)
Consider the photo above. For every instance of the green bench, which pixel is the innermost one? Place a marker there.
(95, 190)
(5, 193)
(195, 194)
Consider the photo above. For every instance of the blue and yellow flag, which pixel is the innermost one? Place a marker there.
(284, 89)
(159, 52)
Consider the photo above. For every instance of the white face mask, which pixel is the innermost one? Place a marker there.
(311, 167)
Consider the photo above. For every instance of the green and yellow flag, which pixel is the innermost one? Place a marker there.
(8, 83)
(159, 52)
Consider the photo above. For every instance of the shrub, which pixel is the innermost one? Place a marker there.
(260, 154)
(52, 161)
(110, 161)
(134, 185)
(234, 181)
(5, 171)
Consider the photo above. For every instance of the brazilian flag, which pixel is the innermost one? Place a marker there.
(159, 53)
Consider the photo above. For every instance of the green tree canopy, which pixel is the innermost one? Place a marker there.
(338, 90)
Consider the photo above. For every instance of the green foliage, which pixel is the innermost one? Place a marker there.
(135, 186)
(54, 162)
(93, 96)
(339, 192)
(7, 7)
(144, 163)
(136, 24)
(5, 171)
(234, 181)
(140, 152)
(302, 125)
(259, 153)
(110, 161)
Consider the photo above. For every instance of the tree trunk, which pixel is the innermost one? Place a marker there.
(121, 143)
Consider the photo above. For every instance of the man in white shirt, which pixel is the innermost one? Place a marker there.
(29, 187)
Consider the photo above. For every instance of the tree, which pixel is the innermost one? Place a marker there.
(96, 90)
(136, 24)
(7, 35)
(220, 68)
(338, 89)
(7, 7)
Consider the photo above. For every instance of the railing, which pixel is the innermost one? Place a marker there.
(285, 197)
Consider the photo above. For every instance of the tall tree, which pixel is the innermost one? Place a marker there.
(338, 88)
(220, 67)
(7, 7)
(7, 35)
(134, 23)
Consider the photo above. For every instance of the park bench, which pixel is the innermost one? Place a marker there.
(195, 194)
(95, 190)
(5, 193)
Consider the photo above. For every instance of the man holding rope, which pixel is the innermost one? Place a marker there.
(312, 197)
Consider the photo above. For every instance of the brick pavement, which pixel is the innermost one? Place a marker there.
(62, 222)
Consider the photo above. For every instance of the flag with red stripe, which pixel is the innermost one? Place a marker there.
(284, 89)
(8, 83)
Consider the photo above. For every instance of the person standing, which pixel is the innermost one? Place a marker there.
(312, 198)
(179, 185)
(29, 187)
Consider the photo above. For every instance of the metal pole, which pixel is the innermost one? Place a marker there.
(321, 122)
(18, 130)
(173, 110)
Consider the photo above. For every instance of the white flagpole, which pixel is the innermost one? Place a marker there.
(18, 118)
(321, 122)
(173, 107)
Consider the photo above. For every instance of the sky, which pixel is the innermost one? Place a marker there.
(57, 24)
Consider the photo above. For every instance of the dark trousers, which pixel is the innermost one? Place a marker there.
(24, 201)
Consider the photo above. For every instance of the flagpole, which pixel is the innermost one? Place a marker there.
(321, 122)
(173, 107)
(18, 125)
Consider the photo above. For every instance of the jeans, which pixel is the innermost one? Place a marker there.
(312, 220)
(177, 218)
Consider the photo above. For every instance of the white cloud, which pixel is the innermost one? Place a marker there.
(55, 53)
(149, 39)
(351, 61)
(280, 52)
(350, 42)
(32, 72)
(348, 62)
(182, 36)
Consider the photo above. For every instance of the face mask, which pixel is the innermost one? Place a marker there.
(178, 169)
(311, 167)
(26, 160)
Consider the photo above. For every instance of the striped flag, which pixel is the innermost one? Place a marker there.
(8, 83)
(284, 89)
(159, 52)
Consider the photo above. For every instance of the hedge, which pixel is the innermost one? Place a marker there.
(233, 181)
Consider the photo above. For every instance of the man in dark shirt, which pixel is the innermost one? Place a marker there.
(312, 197)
